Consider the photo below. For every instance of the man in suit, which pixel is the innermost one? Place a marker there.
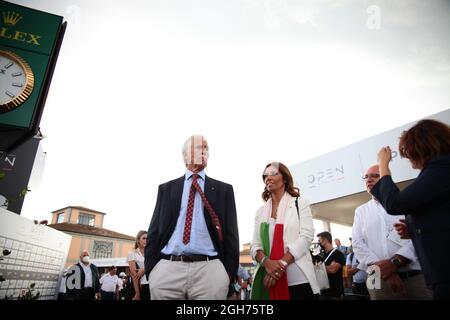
(89, 284)
(192, 248)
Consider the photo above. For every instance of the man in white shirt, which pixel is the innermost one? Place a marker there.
(110, 285)
(376, 242)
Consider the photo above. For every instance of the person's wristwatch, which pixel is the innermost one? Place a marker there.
(396, 262)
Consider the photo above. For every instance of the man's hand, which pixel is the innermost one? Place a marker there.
(402, 229)
(396, 283)
(387, 268)
(351, 270)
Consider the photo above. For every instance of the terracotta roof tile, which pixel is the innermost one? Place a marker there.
(85, 229)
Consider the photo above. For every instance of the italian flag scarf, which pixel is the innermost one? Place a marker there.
(280, 290)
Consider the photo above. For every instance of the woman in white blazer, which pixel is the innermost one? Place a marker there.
(281, 240)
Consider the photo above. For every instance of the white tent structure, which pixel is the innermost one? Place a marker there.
(333, 182)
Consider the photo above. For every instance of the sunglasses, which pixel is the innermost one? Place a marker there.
(270, 174)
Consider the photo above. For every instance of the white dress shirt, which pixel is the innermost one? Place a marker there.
(374, 237)
(87, 275)
(109, 283)
(200, 240)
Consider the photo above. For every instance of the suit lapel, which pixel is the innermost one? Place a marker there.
(175, 197)
(211, 195)
(210, 191)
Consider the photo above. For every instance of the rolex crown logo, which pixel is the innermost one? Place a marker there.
(11, 18)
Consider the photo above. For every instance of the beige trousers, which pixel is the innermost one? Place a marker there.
(177, 280)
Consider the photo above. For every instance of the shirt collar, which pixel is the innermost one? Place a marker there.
(83, 265)
(189, 174)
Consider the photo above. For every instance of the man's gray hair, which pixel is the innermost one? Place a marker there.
(188, 145)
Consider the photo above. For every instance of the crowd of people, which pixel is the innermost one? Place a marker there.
(191, 249)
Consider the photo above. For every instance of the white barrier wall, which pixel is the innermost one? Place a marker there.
(337, 174)
(38, 254)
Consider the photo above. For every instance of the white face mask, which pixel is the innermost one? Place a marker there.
(85, 259)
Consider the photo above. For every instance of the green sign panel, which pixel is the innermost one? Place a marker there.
(27, 38)
(28, 29)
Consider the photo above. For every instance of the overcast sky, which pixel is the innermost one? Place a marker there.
(270, 80)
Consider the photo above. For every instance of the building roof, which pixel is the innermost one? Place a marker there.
(80, 208)
(108, 262)
(89, 230)
(245, 252)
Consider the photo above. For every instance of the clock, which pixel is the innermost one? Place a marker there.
(16, 81)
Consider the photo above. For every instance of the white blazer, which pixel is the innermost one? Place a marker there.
(297, 236)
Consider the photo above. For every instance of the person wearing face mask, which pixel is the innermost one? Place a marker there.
(192, 249)
(282, 237)
(89, 282)
(334, 261)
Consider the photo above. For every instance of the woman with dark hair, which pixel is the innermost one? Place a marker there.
(281, 239)
(137, 270)
(426, 202)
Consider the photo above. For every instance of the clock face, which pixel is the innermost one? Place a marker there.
(16, 81)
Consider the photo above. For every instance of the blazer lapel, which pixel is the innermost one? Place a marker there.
(210, 191)
(291, 209)
(211, 194)
(291, 219)
(175, 197)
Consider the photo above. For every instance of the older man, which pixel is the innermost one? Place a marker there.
(192, 247)
(376, 242)
(88, 284)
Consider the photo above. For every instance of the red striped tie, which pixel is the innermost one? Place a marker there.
(209, 208)
(188, 222)
(190, 209)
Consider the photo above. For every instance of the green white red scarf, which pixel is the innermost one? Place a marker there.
(280, 291)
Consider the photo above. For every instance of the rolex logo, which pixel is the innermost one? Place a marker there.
(11, 18)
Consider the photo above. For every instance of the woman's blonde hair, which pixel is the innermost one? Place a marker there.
(138, 237)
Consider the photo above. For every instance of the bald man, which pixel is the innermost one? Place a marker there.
(192, 247)
(88, 286)
(376, 242)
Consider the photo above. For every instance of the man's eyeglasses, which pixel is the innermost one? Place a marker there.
(371, 175)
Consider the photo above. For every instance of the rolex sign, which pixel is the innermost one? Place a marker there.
(29, 45)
